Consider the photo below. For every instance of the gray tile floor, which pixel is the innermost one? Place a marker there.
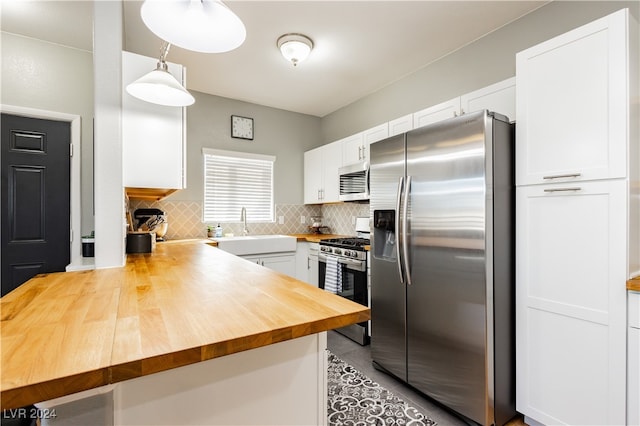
(360, 358)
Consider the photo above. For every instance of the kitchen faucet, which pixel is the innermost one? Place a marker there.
(243, 219)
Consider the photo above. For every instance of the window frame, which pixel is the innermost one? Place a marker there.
(240, 159)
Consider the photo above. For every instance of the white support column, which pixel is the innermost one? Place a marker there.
(108, 187)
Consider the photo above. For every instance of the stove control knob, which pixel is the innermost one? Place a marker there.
(348, 253)
(337, 251)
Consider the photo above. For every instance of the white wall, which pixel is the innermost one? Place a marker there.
(46, 76)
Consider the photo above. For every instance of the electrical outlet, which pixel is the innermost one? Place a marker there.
(303, 220)
(281, 220)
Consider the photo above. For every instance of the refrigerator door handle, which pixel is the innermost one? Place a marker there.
(405, 234)
(397, 228)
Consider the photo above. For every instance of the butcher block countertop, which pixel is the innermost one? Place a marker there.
(634, 284)
(186, 302)
(315, 238)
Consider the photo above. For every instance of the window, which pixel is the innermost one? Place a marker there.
(233, 180)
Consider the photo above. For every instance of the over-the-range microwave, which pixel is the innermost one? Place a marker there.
(354, 182)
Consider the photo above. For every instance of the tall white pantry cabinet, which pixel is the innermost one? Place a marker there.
(577, 221)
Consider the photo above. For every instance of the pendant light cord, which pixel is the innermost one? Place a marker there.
(164, 51)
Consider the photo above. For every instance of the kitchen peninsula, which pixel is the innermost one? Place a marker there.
(187, 334)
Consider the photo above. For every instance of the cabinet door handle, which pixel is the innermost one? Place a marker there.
(577, 188)
(570, 175)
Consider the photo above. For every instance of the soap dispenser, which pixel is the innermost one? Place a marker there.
(218, 233)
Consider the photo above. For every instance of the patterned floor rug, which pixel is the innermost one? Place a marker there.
(356, 400)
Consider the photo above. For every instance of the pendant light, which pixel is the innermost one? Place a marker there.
(295, 47)
(159, 86)
(207, 26)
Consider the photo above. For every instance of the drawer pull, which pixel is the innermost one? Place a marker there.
(571, 175)
(562, 189)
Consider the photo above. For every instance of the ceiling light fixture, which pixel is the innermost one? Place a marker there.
(295, 47)
(159, 86)
(207, 26)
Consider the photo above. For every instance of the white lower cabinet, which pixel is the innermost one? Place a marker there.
(571, 270)
(633, 363)
(281, 262)
(302, 252)
(312, 264)
(307, 262)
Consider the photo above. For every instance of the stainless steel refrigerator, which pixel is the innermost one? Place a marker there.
(442, 263)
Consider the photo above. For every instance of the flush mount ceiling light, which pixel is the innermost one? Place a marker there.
(159, 86)
(207, 26)
(295, 47)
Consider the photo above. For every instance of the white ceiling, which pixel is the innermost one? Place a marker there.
(360, 46)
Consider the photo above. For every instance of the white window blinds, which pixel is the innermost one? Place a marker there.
(233, 180)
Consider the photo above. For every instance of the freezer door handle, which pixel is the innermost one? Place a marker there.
(397, 230)
(405, 234)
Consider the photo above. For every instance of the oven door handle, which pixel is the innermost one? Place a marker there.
(359, 264)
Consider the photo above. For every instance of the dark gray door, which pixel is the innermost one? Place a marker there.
(35, 198)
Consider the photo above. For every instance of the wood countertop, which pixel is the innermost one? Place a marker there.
(634, 284)
(314, 238)
(187, 302)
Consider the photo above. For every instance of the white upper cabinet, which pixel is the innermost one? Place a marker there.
(372, 135)
(355, 148)
(499, 97)
(436, 113)
(153, 136)
(401, 125)
(331, 163)
(581, 135)
(313, 176)
(321, 180)
(352, 149)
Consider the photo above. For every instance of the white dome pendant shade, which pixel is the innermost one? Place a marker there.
(160, 87)
(295, 47)
(207, 26)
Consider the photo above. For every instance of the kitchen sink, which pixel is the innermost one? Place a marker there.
(256, 244)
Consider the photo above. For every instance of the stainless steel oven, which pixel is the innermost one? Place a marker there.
(348, 255)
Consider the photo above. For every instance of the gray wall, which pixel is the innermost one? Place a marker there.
(484, 62)
(46, 76)
(285, 134)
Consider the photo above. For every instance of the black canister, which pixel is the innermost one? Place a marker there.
(139, 242)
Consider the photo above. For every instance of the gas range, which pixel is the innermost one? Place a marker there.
(349, 247)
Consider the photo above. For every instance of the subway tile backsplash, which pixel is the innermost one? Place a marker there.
(185, 218)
